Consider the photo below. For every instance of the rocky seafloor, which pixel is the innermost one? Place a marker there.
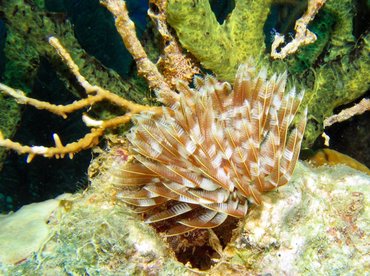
(318, 224)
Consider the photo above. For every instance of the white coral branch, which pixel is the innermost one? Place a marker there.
(303, 35)
(358, 109)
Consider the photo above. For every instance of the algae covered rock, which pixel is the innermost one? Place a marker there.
(97, 236)
(317, 223)
(25, 231)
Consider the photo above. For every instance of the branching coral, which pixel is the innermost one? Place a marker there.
(28, 25)
(95, 94)
(361, 107)
(303, 35)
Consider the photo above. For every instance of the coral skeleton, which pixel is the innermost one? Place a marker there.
(303, 35)
(357, 109)
(215, 150)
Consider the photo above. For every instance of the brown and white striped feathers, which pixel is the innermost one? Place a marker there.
(212, 152)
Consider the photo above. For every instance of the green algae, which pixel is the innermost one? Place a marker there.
(220, 47)
(333, 71)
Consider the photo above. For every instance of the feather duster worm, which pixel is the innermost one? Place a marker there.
(214, 151)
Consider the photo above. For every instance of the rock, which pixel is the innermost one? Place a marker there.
(25, 231)
(318, 224)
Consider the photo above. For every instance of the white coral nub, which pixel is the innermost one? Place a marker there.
(214, 151)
